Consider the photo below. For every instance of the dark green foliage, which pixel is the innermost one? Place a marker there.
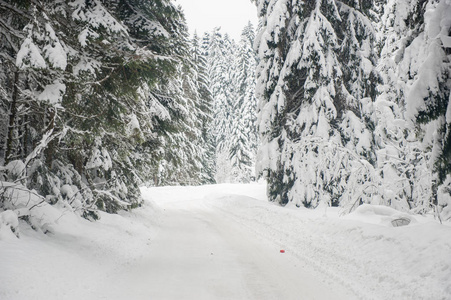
(278, 188)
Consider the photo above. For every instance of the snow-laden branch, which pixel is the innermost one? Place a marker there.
(45, 140)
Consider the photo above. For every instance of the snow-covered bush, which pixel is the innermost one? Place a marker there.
(444, 199)
(20, 203)
(8, 223)
(325, 171)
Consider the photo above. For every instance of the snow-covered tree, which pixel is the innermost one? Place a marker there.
(243, 135)
(427, 65)
(401, 163)
(231, 69)
(220, 53)
(93, 93)
(353, 102)
(316, 64)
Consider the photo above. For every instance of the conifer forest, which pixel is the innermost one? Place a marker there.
(336, 102)
(308, 157)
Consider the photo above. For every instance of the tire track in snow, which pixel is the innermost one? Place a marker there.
(330, 247)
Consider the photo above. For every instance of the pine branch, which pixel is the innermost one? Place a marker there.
(9, 7)
(7, 31)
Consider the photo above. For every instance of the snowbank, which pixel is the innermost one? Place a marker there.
(363, 252)
(382, 215)
(77, 258)
(8, 224)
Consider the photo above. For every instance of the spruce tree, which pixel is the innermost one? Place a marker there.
(401, 162)
(427, 64)
(220, 54)
(361, 86)
(92, 90)
(310, 114)
(243, 139)
(206, 111)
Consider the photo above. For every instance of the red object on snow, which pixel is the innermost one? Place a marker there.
(282, 251)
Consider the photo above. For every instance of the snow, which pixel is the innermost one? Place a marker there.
(15, 168)
(427, 56)
(448, 111)
(100, 158)
(26, 203)
(8, 224)
(277, 17)
(29, 56)
(96, 15)
(267, 156)
(444, 197)
(133, 126)
(446, 41)
(54, 51)
(86, 65)
(53, 93)
(84, 35)
(378, 214)
(224, 242)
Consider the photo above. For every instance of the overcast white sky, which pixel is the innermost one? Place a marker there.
(230, 15)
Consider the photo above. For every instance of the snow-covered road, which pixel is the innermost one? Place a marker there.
(201, 253)
(224, 242)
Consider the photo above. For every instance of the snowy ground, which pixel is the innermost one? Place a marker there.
(224, 242)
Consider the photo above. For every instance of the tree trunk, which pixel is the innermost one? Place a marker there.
(50, 150)
(12, 119)
(25, 137)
